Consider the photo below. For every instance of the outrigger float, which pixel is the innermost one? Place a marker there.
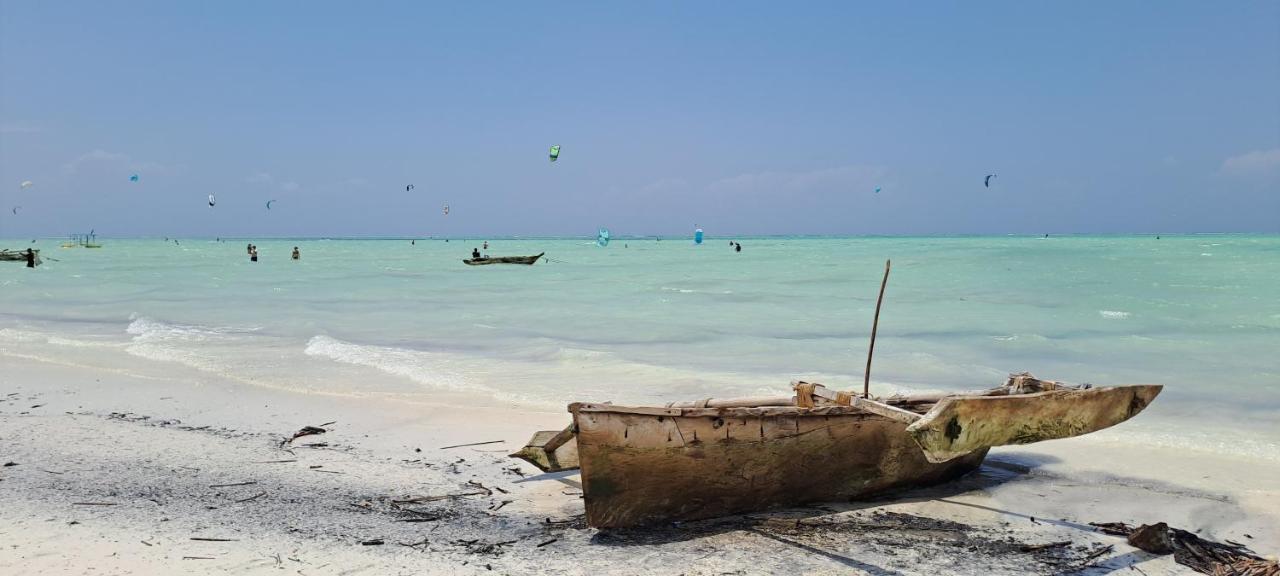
(693, 460)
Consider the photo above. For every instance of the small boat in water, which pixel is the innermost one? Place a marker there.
(19, 256)
(485, 260)
(693, 460)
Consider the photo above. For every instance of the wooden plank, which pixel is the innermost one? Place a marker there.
(959, 425)
(551, 450)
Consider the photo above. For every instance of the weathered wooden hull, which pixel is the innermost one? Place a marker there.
(528, 260)
(646, 465)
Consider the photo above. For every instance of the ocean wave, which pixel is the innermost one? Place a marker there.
(1113, 314)
(182, 343)
(422, 367)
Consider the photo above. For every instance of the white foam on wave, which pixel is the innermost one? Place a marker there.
(425, 368)
(182, 343)
(25, 336)
(1113, 314)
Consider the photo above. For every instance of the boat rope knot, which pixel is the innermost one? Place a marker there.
(804, 394)
(844, 398)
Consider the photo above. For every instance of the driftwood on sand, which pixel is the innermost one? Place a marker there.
(306, 431)
(1203, 556)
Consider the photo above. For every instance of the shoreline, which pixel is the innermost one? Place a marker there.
(163, 457)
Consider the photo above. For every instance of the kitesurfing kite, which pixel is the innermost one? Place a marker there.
(133, 178)
(212, 200)
(602, 238)
(15, 210)
(555, 152)
(269, 203)
(986, 182)
(877, 189)
(26, 184)
(408, 188)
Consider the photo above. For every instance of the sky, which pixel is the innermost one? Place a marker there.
(742, 118)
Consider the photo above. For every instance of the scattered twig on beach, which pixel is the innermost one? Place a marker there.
(93, 503)
(251, 498)
(197, 558)
(566, 521)
(422, 499)
(420, 519)
(488, 492)
(8, 464)
(471, 444)
(327, 471)
(275, 461)
(500, 505)
(415, 545)
(1087, 560)
(202, 539)
(374, 542)
(305, 431)
(147, 543)
(1034, 547)
(230, 485)
(553, 540)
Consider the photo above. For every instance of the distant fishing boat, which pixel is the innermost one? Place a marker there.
(19, 256)
(692, 460)
(485, 260)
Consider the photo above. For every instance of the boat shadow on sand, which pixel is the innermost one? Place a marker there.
(877, 537)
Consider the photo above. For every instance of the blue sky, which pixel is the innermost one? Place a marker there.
(744, 118)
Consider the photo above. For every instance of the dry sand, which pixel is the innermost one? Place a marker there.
(121, 472)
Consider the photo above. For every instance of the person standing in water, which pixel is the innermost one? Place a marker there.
(486, 244)
(31, 258)
(253, 253)
(737, 246)
(475, 253)
(296, 255)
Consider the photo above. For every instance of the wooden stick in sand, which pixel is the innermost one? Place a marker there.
(866, 376)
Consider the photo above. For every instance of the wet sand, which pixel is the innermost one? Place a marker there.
(121, 472)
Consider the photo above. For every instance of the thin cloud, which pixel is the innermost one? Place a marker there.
(289, 186)
(814, 182)
(98, 156)
(115, 161)
(260, 178)
(1253, 164)
(19, 129)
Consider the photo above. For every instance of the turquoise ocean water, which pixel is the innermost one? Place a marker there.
(665, 320)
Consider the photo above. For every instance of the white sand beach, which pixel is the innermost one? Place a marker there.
(125, 472)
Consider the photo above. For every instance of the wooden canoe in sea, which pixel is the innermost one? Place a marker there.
(693, 460)
(18, 256)
(503, 260)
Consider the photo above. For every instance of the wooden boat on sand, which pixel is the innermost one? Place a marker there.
(18, 256)
(708, 458)
(528, 260)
